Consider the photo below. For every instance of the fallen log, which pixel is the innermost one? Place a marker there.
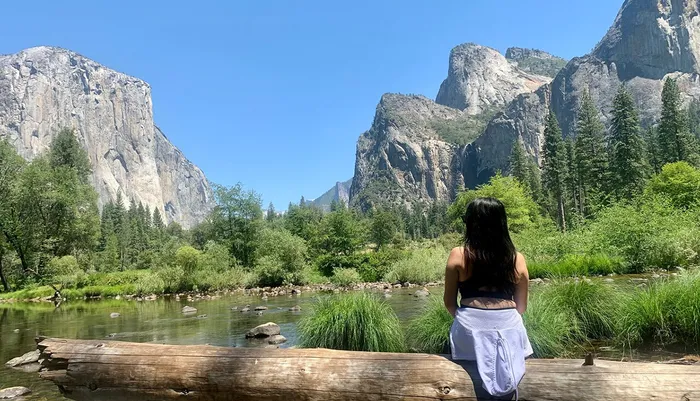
(110, 370)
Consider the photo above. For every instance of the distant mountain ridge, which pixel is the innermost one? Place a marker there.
(339, 193)
(417, 150)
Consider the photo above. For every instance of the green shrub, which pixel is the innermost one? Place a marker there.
(553, 332)
(346, 277)
(269, 272)
(593, 305)
(430, 331)
(187, 259)
(354, 322)
(522, 211)
(575, 266)
(64, 271)
(666, 312)
(171, 278)
(215, 258)
(420, 267)
(680, 182)
(152, 284)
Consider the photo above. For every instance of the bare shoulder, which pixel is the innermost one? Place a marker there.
(456, 258)
(520, 264)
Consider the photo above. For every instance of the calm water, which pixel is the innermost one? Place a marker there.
(159, 321)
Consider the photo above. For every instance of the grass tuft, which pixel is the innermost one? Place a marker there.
(354, 322)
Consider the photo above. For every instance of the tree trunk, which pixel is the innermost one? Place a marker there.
(562, 217)
(97, 370)
(5, 284)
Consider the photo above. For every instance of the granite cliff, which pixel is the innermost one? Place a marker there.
(649, 41)
(44, 89)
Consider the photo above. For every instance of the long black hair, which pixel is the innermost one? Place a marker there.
(488, 249)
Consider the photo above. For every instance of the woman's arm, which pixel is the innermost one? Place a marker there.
(451, 279)
(521, 288)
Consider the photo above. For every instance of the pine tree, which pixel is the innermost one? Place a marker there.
(518, 162)
(675, 140)
(693, 113)
(158, 224)
(572, 180)
(651, 140)
(525, 170)
(591, 162)
(554, 172)
(628, 165)
(271, 214)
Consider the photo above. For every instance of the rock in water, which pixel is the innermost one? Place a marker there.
(114, 315)
(44, 89)
(421, 293)
(13, 392)
(276, 340)
(259, 308)
(295, 308)
(189, 309)
(264, 330)
(29, 357)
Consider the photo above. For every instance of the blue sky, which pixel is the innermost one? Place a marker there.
(274, 94)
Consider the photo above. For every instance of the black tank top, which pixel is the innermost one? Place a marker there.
(471, 289)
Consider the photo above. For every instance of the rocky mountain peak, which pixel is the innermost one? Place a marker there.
(480, 79)
(44, 89)
(651, 38)
(535, 61)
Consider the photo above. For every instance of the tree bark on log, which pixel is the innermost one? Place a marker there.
(110, 370)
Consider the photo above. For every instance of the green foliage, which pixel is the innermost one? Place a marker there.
(430, 331)
(667, 312)
(522, 210)
(554, 169)
(345, 277)
(591, 160)
(285, 256)
(420, 267)
(548, 67)
(675, 141)
(303, 220)
(575, 265)
(628, 161)
(680, 182)
(384, 227)
(236, 221)
(552, 331)
(340, 233)
(464, 130)
(354, 322)
(63, 271)
(215, 258)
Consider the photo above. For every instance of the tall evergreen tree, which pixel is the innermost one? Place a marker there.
(158, 224)
(525, 170)
(628, 165)
(693, 113)
(675, 141)
(591, 162)
(554, 169)
(271, 214)
(572, 201)
(651, 140)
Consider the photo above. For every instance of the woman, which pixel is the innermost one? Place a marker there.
(492, 279)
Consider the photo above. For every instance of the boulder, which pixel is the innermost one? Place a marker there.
(295, 308)
(258, 308)
(421, 293)
(114, 315)
(276, 340)
(189, 309)
(13, 392)
(264, 330)
(29, 357)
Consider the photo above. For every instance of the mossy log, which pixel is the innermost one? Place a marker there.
(110, 370)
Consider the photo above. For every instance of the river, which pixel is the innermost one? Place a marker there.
(159, 321)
